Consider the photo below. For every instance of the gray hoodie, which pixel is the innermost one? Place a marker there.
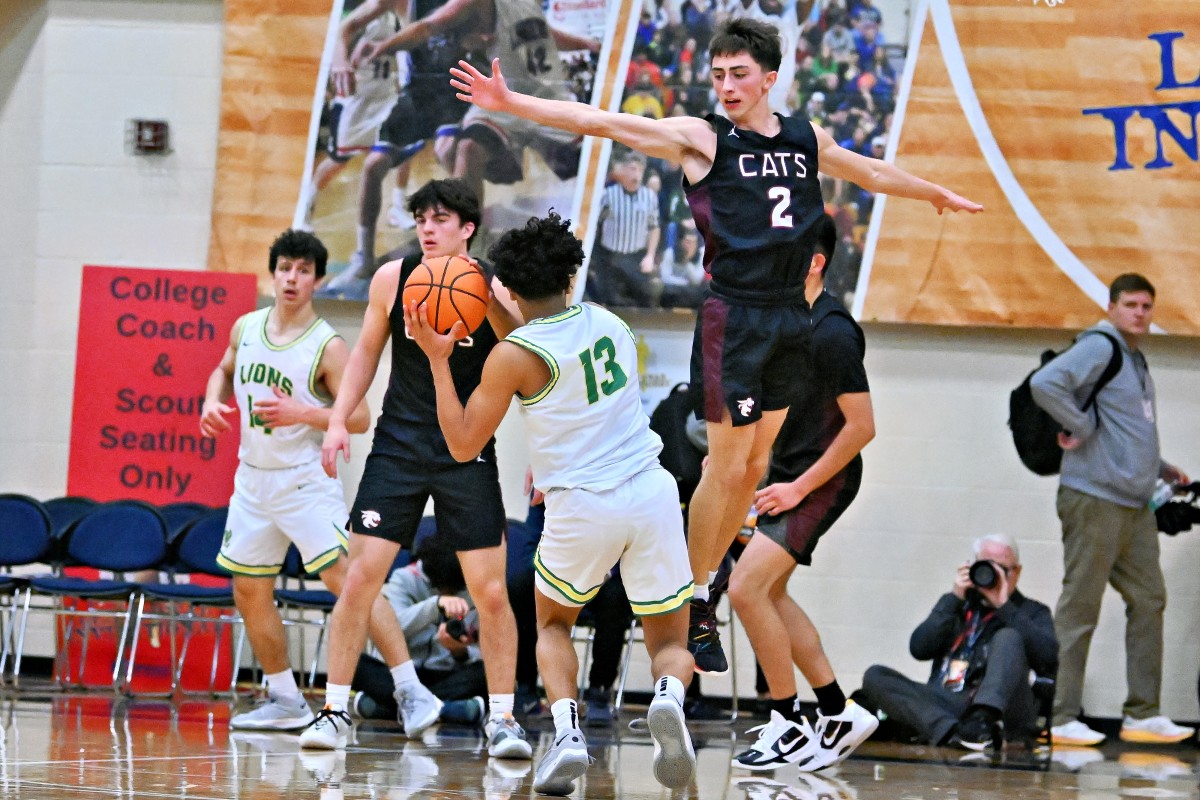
(1119, 459)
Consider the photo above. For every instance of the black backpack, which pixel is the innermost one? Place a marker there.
(679, 456)
(1034, 432)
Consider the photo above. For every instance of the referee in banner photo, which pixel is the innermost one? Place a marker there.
(622, 271)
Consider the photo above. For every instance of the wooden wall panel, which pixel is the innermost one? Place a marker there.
(1035, 68)
(272, 57)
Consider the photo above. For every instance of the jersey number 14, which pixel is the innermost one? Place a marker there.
(602, 354)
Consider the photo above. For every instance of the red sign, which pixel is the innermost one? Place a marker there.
(148, 341)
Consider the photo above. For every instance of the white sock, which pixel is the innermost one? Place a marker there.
(405, 676)
(712, 577)
(398, 198)
(282, 686)
(670, 686)
(499, 705)
(566, 716)
(700, 592)
(337, 696)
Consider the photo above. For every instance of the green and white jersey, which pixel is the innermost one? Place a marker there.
(262, 365)
(586, 426)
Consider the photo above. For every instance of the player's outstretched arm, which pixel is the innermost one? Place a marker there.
(881, 177)
(420, 30)
(468, 428)
(361, 366)
(219, 388)
(673, 138)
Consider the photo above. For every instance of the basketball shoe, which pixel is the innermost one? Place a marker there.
(838, 736)
(506, 739)
(564, 761)
(704, 643)
(674, 757)
(330, 731)
(274, 714)
(780, 742)
(419, 708)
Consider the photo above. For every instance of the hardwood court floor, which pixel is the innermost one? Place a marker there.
(97, 746)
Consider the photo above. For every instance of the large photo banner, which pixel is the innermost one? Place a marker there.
(148, 340)
(1074, 123)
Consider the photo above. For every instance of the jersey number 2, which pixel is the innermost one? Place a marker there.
(604, 353)
(780, 218)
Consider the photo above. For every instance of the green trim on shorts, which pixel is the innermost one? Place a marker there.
(330, 556)
(248, 570)
(665, 606)
(563, 587)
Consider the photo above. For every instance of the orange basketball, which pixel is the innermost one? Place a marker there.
(453, 288)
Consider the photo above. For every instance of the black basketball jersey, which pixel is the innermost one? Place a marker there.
(408, 424)
(836, 368)
(433, 58)
(756, 208)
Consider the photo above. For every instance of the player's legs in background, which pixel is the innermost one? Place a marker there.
(370, 200)
(398, 216)
(325, 171)
(285, 708)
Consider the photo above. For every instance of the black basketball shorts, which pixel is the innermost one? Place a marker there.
(799, 529)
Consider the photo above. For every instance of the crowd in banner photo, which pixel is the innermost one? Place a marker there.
(837, 70)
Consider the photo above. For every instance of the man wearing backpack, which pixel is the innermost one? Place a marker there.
(1110, 465)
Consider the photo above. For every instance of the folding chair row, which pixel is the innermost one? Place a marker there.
(122, 538)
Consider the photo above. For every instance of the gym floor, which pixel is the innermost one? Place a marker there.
(55, 746)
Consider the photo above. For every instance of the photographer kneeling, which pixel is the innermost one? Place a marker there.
(983, 637)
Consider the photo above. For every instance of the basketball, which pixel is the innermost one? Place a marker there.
(453, 288)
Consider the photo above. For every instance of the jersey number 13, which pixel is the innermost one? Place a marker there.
(603, 354)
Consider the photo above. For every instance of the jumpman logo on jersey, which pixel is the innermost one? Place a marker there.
(733, 133)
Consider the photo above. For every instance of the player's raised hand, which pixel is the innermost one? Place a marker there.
(475, 87)
(281, 410)
(436, 345)
(366, 51)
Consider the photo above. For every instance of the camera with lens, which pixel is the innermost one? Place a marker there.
(985, 574)
(456, 629)
(1180, 511)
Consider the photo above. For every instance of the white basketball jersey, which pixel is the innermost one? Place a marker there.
(379, 79)
(262, 365)
(586, 427)
(526, 49)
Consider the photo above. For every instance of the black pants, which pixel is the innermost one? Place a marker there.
(373, 678)
(933, 711)
(616, 279)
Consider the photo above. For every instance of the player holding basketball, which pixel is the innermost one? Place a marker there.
(284, 365)
(608, 501)
(409, 462)
(751, 181)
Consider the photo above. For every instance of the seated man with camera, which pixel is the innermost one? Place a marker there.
(441, 628)
(983, 638)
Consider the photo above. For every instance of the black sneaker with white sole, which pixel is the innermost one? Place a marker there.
(780, 742)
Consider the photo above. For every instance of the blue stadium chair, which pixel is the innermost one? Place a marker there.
(64, 511)
(24, 539)
(179, 515)
(192, 549)
(119, 537)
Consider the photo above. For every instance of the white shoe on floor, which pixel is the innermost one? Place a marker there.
(419, 708)
(674, 756)
(1075, 732)
(398, 217)
(838, 736)
(275, 714)
(1154, 730)
(780, 742)
(565, 760)
(330, 731)
(506, 738)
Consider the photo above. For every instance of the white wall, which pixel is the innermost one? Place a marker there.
(941, 472)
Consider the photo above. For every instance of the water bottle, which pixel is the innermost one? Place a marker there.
(1163, 492)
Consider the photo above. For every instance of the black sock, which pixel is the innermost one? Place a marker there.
(788, 707)
(830, 700)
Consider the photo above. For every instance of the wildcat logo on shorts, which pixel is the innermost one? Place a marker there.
(370, 519)
(228, 536)
(746, 406)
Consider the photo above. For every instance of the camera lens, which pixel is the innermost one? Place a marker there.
(983, 574)
(455, 628)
